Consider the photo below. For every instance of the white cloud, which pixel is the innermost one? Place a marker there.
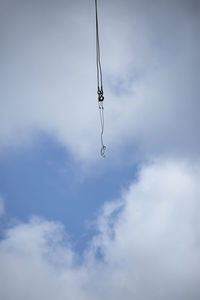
(150, 56)
(150, 248)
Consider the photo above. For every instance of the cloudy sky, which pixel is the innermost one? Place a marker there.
(72, 224)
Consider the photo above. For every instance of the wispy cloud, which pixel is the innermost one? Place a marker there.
(150, 56)
(147, 249)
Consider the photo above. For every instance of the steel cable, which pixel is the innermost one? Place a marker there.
(99, 82)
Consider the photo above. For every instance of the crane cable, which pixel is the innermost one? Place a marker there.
(99, 83)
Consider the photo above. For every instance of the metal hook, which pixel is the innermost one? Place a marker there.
(103, 150)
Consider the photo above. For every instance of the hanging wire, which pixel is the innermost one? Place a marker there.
(101, 113)
(99, 83)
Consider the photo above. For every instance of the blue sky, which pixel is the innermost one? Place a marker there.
(74, 225)
(44, 180)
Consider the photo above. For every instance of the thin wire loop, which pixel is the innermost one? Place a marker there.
(101, 113)
(99, 83)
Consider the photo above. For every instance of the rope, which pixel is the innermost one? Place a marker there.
(99, 83)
